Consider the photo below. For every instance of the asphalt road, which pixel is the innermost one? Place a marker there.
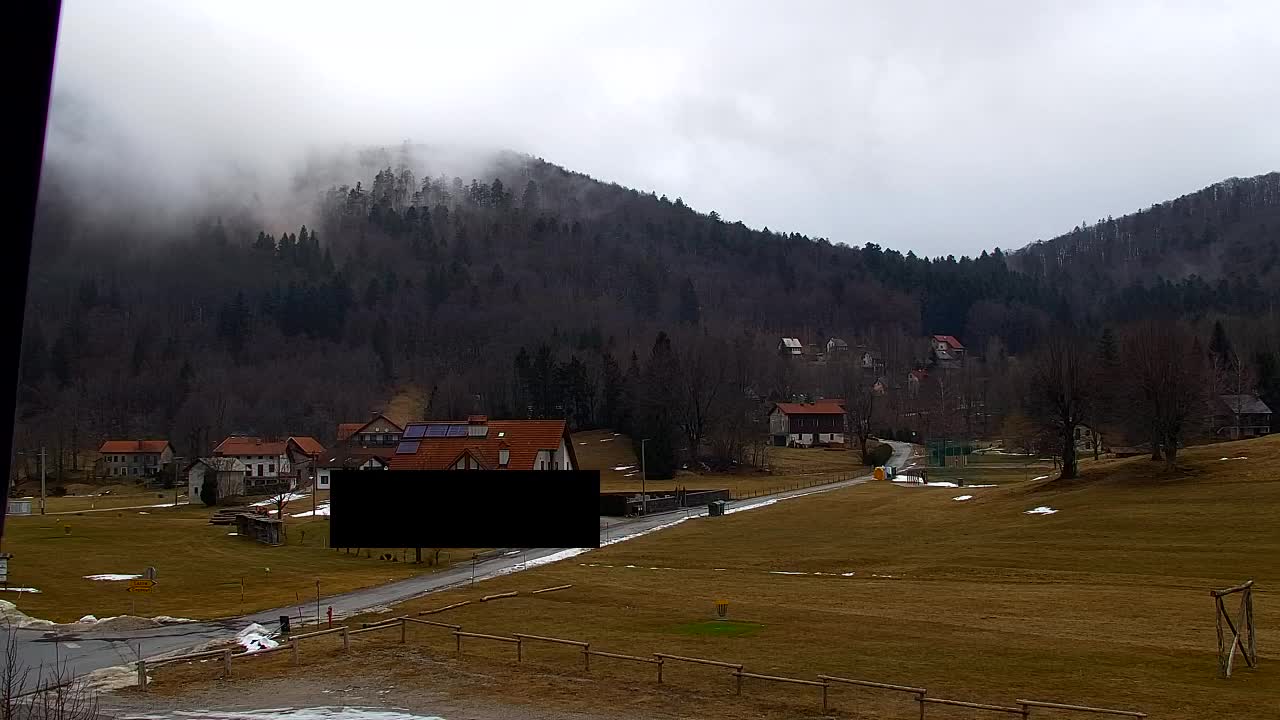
(85, 652)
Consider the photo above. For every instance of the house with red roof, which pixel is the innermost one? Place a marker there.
(947, 351)
(479, 443)
(379, 433)
(807, 424)
(134, 458)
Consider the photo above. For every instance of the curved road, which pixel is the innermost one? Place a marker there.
(89, 651)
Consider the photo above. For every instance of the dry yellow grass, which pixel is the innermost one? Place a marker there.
(200, 567)
(614, 456)
(1105, 602)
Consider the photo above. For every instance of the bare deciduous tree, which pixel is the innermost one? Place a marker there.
(1061, 391)
(1167, 382)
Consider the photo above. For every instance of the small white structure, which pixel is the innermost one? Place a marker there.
(19, 507)
(790, 347)
(228, 472)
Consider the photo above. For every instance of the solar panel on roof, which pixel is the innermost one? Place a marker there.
(436, 431)
(408, 447)
(415, 431)
(457, 431)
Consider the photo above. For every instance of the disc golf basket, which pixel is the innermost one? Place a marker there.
(722, 609)
(1241, 629)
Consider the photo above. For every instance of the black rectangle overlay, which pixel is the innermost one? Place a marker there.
(464, 509)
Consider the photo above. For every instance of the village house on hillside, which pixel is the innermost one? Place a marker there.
(806, 424)
(227, 472)
(1240, 416)
(836, 346)
(479, 443)
(947, 351)
(272, 465)
(133, 458)
(350, 459)
(379, 432)
(790, 347)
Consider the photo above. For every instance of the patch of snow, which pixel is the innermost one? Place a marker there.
(110, 576)
(512, 552)
(26, 590)
(233, 533)
(979, 486)
(620, 468)
(322, 510)
(255, 638)
(1042, 510)
(288, 497)
(644, 532)
(616, 434)
(718, 569)
(1235, 458)
(112, 678)
(169, 620)
(887, 577)
(584, 442)
(88, 619)
(553, 557)
(630, 566)
(848, 574)
(962, 498)
(1042, 477)
(606, 439)
(752, 506)
(786, 572)
(143, 512)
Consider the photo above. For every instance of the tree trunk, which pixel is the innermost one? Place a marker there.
(1155, 450)
(1171, 454)
(1097, 442)
(1069, 453)
(417, 555)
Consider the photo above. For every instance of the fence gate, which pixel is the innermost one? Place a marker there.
(1243, 633)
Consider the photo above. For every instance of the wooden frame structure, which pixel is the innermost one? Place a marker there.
(1243, 633)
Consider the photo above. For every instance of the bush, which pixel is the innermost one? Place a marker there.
(878, 455)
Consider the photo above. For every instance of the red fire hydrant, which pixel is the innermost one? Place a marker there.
(330, 616)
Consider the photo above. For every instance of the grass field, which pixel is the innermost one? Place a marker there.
(1104, 602)
(619, 468)
(200, 568)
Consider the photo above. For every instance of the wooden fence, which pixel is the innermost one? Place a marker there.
(737, 670)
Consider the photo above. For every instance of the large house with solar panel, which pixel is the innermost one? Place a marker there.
(479, 443)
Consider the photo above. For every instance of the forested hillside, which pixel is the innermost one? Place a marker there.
(409, 276)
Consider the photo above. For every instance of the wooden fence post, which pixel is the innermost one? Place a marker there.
(226, 663)
(294, 644)
(346, 640)
(659, 669)
(519, 650)
(404, 624)
(586, 657)
(142, 675)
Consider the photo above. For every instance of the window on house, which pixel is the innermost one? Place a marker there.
(260, 473)
(271, 468)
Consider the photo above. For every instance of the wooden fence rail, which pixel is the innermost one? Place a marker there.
(739, 674)
(446, 607)
(458, 635)
(498, 596)
(619, 656)
(1078, 708)
(923, 700)
(319, 633)
(918, 692)
(551, 589)
(698, 661)
(586, 656)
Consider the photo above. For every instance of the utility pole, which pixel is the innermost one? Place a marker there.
(644, 475)
(41, 479)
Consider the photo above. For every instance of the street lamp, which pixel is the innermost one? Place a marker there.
(644, 475)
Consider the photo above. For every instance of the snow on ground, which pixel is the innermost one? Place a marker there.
(1235, 458)
(1042, 510)
(321, 510)
(962, 498)
(752, 506)
(289, 497)
(88, 619)
(26, 590)
(584, 442)
(233, 533)
(169, 620)
(1042, 477)
(112, 576)
(786, 572)
(622, 468)
(553, 557)
(255, 638)
(606, 439)
(644, 532)
(632, 473)
(143, 512)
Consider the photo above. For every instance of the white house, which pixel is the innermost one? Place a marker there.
(228, 472)
(790, 347)
(349, 461)
(262, 458)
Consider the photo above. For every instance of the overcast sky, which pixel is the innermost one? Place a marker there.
(940, 127)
